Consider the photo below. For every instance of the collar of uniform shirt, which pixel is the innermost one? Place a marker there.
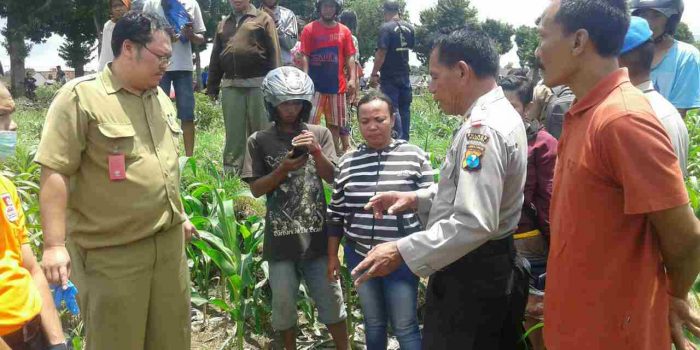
(112, 85)
(485, 99)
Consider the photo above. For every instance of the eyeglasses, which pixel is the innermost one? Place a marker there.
(163, 60)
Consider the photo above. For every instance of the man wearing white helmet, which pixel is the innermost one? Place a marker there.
(286, 162)
(675, 70)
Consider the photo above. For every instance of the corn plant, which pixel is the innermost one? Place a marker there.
(231, 245)
(24, 174)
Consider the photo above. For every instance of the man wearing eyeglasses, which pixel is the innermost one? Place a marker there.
(110, 204)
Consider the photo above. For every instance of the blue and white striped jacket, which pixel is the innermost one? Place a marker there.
(362, 174)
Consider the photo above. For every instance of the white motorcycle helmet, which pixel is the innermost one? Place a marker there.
(287, 84)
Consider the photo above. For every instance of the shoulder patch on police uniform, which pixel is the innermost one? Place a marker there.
(10, 211)
(473, 137)
(472, 157)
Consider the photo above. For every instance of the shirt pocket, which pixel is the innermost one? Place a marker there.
(175, 132)
(117, 138)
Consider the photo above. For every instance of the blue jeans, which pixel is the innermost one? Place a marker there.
(184, 92)
(399, 91)
(391, 298)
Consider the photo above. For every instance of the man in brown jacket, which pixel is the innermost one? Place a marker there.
(246, 48)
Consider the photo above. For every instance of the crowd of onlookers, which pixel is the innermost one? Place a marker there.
(572, 183)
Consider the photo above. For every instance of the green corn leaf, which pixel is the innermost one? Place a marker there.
(219, 258)
(221, 304)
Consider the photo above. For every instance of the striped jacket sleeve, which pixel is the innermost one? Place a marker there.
(337, 211)
(427, 174)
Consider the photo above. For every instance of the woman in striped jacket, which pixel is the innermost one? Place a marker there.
(382, 164)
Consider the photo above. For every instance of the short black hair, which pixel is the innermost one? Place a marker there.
(522, 86)
(606, 22)
(137, 27)
(392, 6)
(319, 4)
(522, 72)
(349, 19)
(472, 46)
(375, 95)
(639, 60)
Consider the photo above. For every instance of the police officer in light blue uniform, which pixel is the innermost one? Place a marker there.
(476, 294)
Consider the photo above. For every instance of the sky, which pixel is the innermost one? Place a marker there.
(516, 12)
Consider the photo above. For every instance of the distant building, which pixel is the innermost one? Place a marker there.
(50, 75)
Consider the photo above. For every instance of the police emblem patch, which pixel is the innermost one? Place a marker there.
(472, 157)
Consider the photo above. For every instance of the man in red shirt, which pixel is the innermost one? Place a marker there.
(328, 50)
(625, 245)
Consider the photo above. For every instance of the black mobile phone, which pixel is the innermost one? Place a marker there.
(299, 151)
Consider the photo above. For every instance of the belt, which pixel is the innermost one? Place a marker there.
(489, 249)
(529, 234)
(24, 334)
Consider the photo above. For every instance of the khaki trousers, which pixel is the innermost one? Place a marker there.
(134, 296)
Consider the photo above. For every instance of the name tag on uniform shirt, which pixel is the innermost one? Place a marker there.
(117, 167)
(10, 211)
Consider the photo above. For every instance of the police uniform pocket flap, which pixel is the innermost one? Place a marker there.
(115, 131)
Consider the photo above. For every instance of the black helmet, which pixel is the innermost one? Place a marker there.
(338, 6)
(285, 84)
(392, 6)
(672, 9)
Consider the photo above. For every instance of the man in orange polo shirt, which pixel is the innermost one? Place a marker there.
(25, 321)
(625, 245)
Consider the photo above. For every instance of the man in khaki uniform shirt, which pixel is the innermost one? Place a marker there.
(110, 177)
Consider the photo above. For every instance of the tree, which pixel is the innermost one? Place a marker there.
(527, 40)
(370, 16)
(77, 53)
(444, 17)
(27, 21)
(80, 29)
(684, 34)
(500, 33)
(302, 8)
